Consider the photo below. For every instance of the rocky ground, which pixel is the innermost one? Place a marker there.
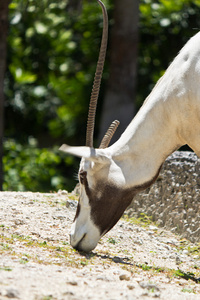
(135, 260)
(173, 200)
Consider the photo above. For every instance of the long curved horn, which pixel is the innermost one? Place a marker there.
(97, 79)
(109, 134)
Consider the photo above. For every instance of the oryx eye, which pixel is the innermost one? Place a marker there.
(83, 175)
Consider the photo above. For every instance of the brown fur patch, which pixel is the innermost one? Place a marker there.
(77, 211)
(107, 209)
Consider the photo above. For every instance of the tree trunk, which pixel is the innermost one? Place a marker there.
(120, 94)
(3, 34)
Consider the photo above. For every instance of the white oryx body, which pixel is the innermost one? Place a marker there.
(110, 177)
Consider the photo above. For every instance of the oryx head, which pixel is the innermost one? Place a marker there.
(102, 196)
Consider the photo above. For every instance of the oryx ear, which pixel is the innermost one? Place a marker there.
(95, 155)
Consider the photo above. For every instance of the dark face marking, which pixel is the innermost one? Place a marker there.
(83, 179)
(77, 211)
(107, 209)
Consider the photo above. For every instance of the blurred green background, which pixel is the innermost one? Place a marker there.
(51, 59)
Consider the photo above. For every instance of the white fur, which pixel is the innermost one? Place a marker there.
(83, 226)
(168, 119)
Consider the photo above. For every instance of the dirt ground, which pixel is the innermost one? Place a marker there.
(135, 260)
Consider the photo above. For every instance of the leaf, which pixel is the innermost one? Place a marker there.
(22, 76)
(40, 27)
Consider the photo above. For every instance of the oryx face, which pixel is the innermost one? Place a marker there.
(101, 204)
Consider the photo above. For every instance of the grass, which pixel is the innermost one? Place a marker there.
(56, 252)
(170, 273)
(5, 247)
(195, 250)
(6, 268)
(61, 253)
(112, 241)
(47, 297)
(187, 275)
(144, 220)
(187, 290)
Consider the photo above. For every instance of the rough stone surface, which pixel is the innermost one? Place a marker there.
(174, 200)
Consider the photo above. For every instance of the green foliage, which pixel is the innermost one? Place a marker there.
(32, 169)
(52, 52)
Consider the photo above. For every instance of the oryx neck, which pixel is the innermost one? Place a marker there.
(147, 141)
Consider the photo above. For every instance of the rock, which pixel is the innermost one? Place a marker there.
(139, 241)
(68, 293)
(62, 192)
(71, 204)
(72, 282)
(19, 222)
(155, 295)
(124, 276)
(152, 289)
(130, 286)
(152, 227)
(100, 277)
(11, 293)
(59, 217)
(178, 260)
(35, 233)
(25, 258)
(148, 285)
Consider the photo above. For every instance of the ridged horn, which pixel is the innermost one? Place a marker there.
(97, 79)
(109, 134)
